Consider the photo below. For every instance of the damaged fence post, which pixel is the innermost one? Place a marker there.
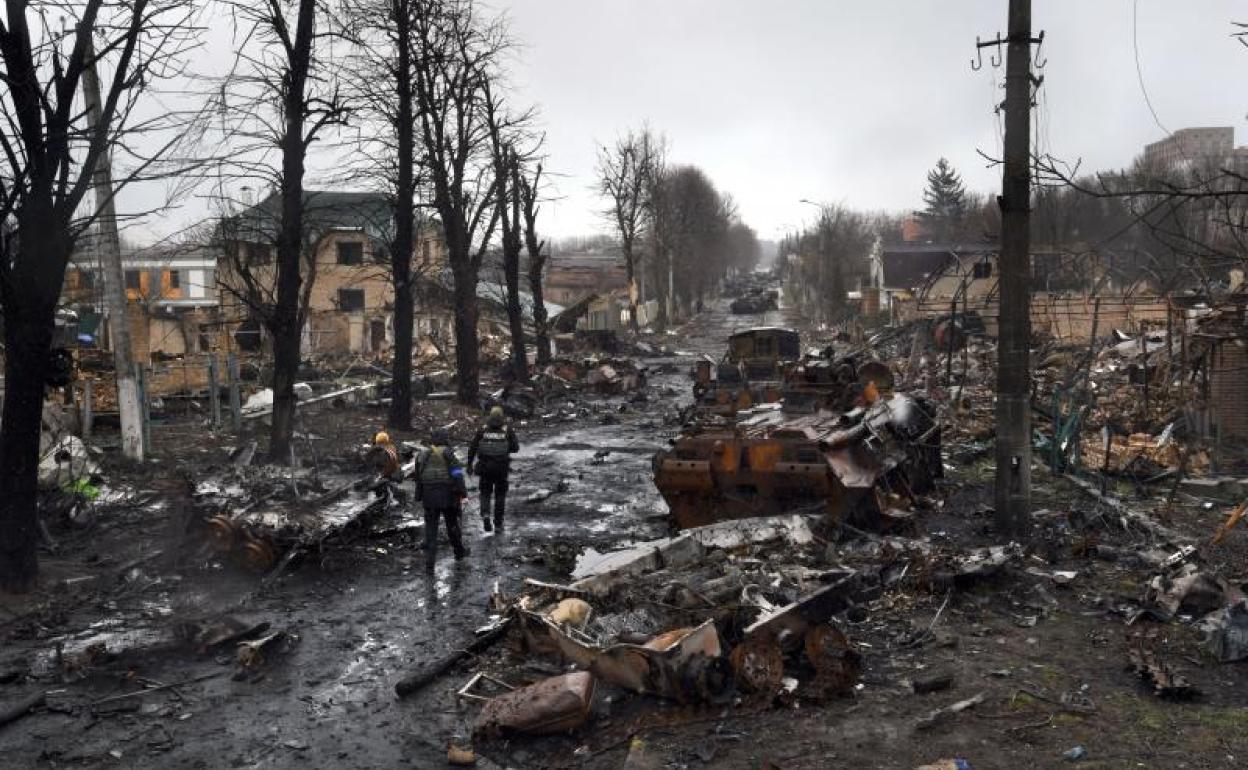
(214, 392)
(145, 404)
(88, 411)
(236, 408)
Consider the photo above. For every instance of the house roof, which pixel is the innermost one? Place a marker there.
(496, 293)
(323, 211)
(909, 265)
(586, 261)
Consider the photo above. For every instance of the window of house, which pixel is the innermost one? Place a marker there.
(175, 279)
(982, 269)
(133, 281)
(257, 253)
(86, 279)
(350, 253)
(350, 299)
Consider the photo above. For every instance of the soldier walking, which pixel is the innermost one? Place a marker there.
(489, 457)
(440, 488)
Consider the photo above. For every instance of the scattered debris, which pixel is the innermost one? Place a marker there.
(1226, 632)
(1146, 664)
(556, 705)
(939, 715)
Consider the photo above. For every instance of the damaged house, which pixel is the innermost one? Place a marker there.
(1074, 293)
(350, 307)
(171, 294)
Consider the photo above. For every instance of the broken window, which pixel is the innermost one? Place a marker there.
(257, 253)
(350, 299)
(350, 253)
(133, 281)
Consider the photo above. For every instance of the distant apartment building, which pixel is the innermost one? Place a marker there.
(1197, 148)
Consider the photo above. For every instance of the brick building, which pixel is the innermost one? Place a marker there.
(351, 304)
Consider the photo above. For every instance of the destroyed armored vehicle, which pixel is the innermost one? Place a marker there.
(750, 372)
(765, 366)
(756, 302)
(264, 518)
(861, 466)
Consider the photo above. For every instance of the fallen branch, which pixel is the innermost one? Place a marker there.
(1122, 509)
(171, 686)
(421, 678)
(23, 707)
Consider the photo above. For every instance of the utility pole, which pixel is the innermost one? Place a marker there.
(1013, 482)
(128, 403)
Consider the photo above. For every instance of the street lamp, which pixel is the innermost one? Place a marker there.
(823, 253)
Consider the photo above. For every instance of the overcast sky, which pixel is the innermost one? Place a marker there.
(853, 101)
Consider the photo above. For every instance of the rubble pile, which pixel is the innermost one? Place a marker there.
(734, 610)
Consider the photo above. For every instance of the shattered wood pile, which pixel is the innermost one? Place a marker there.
(866, 466)
(606, 376)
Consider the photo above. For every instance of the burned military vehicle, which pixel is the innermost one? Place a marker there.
(864, 466)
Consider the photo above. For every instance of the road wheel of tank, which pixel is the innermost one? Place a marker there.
(220, 533)
(256, 554)
(758, 666)
(837, 664)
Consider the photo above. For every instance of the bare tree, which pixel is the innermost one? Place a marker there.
(509, 143)
(285, 102)
(50, 153)
(528, 185)
(626, 173)
(460, 53)
(691, 220)
(383, 78)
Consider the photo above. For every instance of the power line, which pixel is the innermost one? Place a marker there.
(1139, 71)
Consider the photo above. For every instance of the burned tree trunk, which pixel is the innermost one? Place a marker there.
(541, 323)
(402, 247)
(400, 416)
(285, 324)
(29, 316)
(527, 189)
(467, 354)
(515, 313)
(509, 220)
(404, 222)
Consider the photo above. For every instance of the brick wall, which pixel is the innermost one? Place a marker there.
(1228, 387)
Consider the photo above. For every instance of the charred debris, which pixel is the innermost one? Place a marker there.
(816, 554)
(827, 536)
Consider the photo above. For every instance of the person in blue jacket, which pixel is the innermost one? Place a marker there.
(441, 489)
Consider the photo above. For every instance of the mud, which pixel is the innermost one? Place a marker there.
(365, 614)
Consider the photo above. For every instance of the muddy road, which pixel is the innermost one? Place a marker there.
(364, 614)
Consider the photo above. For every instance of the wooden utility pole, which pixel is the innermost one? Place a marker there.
(128, 403)
(1013, 487)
